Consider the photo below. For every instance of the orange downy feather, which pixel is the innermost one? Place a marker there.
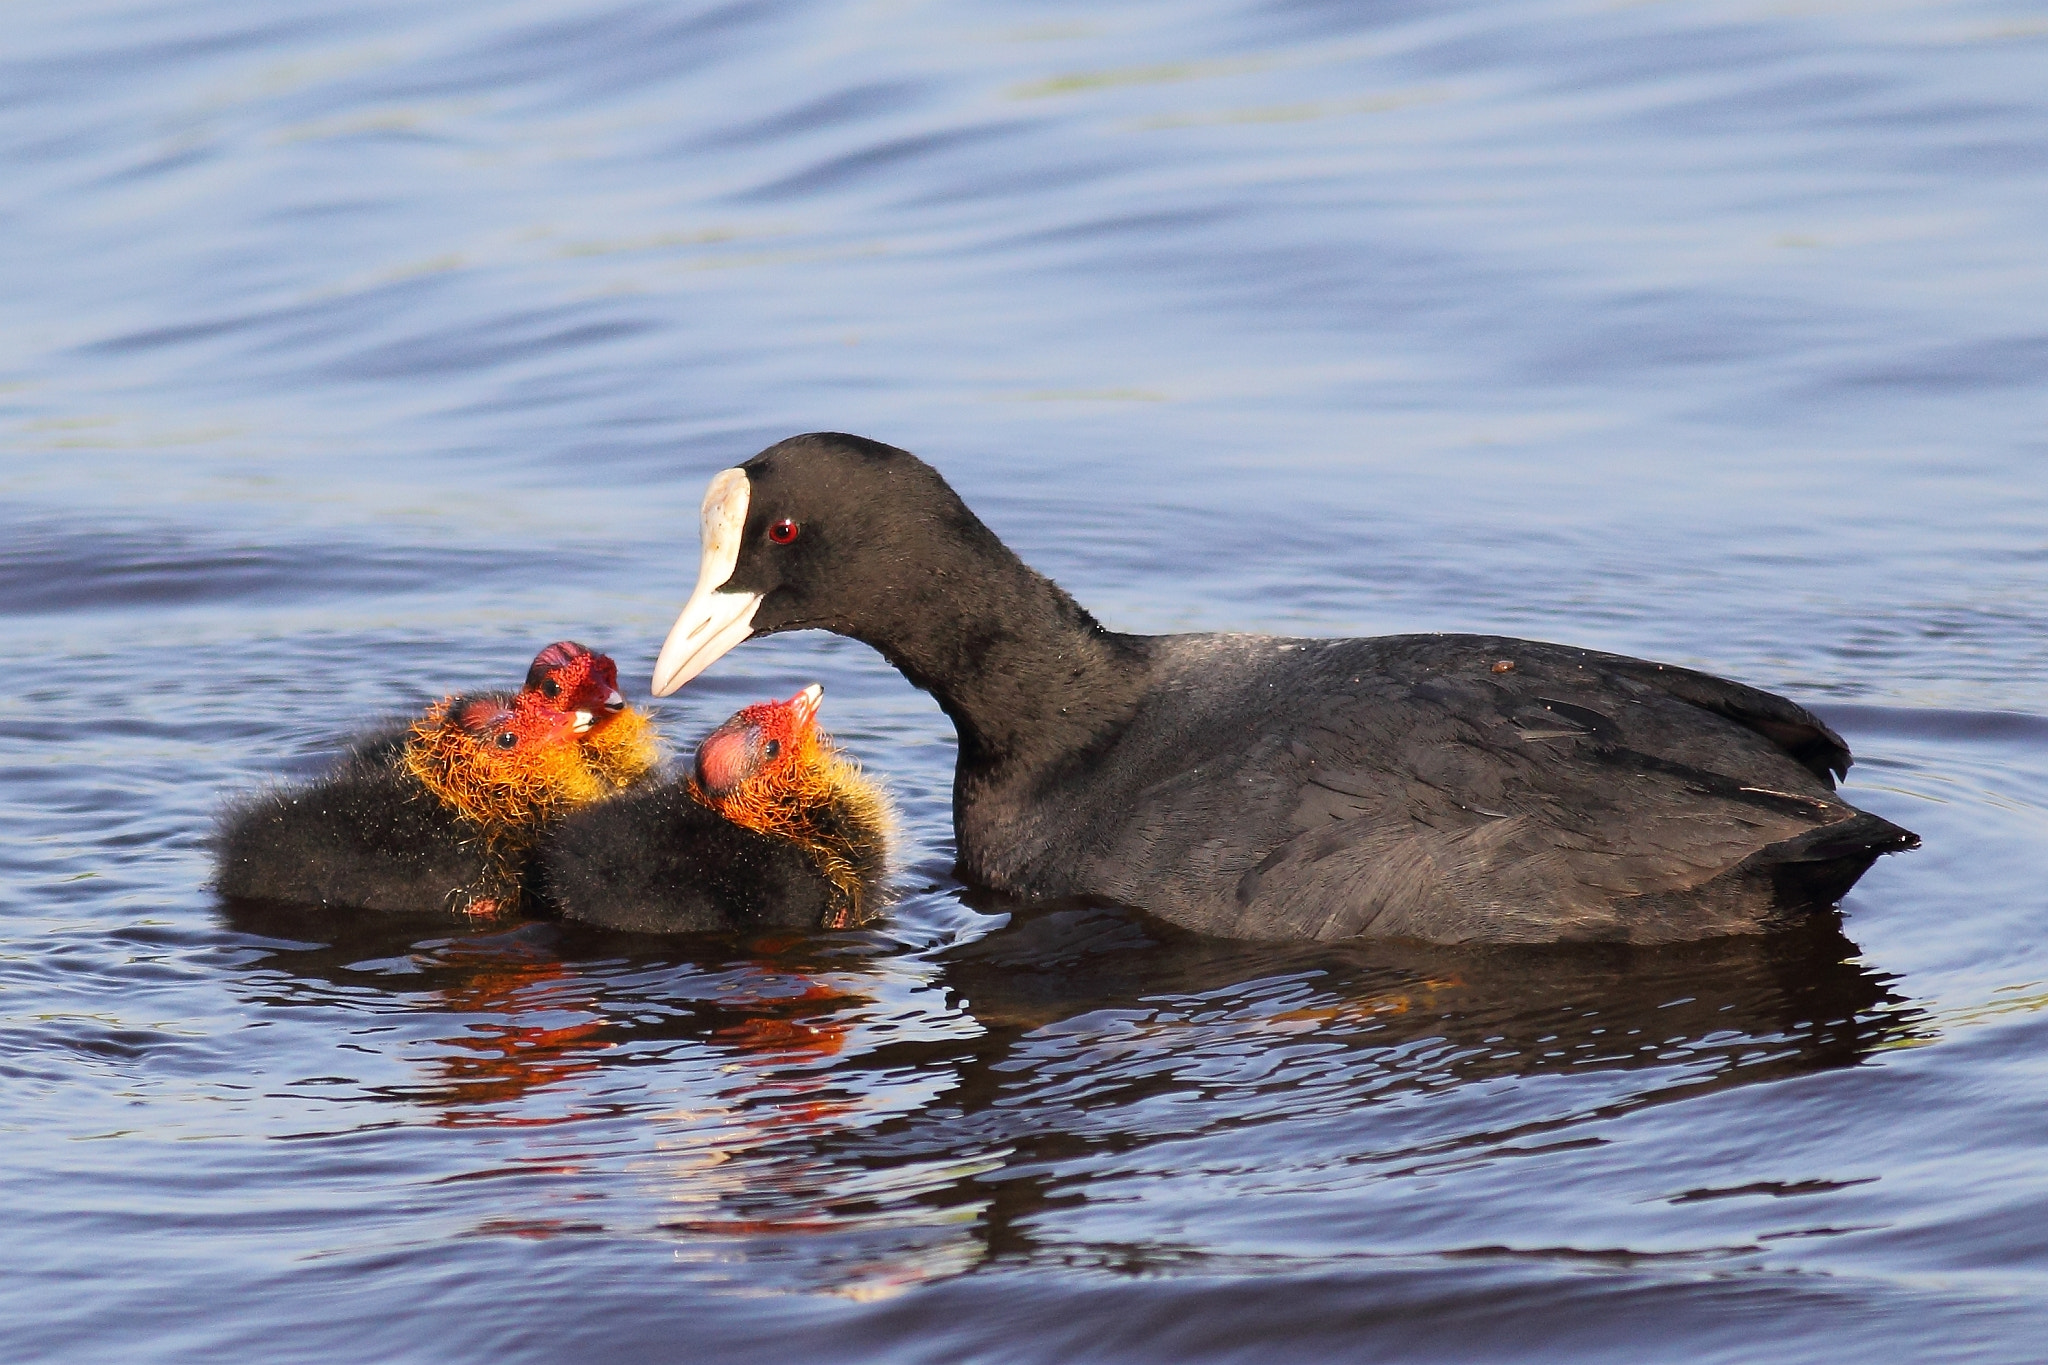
(506, 794)
(622, 749)
(510, 765)
(820, 801)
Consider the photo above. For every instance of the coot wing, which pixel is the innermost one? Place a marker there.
(1791, 727)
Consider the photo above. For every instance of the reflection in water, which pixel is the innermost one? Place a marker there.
(1101, 1030)
(803, 1129)
(528, 1022)
(533, 1027)
(534, 1019)
(1494, 1011)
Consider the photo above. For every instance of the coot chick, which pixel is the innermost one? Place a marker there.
(1453, 788)
(619, 744)
(441, 816)
(771, 827)
(442, 825)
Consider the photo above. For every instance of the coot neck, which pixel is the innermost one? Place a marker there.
(1028, 676)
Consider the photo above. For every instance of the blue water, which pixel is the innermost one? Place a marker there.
(349, 353)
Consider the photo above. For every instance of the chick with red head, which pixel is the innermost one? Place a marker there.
(770, 770)
(771, 827)
(442, 816)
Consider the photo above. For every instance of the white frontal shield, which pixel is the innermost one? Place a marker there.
(713, 620)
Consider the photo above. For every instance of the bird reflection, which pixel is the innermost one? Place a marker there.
(826, 1106)
(523, 1022)
(1803, 996)
(533, 1017)
(533, 1026)
(1102, 1026)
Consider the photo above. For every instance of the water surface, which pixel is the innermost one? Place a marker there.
(348, 353)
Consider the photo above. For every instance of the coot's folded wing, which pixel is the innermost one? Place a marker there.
(1790, 726)
(1419, 786)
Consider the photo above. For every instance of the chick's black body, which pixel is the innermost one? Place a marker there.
(657, 861)
(1305, 789)
(369, 836)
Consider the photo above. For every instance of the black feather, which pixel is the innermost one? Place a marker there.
(368, 836)
(655, 860)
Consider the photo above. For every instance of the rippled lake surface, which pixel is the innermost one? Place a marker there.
(350, 352)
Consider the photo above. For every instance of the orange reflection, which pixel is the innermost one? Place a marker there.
(532, 1023)
(808, 1025)
(501, 1057)
(1422, 995)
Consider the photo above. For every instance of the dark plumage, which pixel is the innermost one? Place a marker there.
(770, 828)
(659, 861)
(439, 817)
(372, 836)
(1443, 787)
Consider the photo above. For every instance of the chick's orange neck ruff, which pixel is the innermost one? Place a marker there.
(622, 750)
(506, 767)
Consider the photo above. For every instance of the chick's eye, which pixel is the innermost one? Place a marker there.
(773, 748)
(507, 740)
(784, 531)
(551, 688)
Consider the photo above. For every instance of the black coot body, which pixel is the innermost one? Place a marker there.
(368, 836)
(1453, 788)
(656, 861)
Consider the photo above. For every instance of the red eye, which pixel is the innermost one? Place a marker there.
(784, 531)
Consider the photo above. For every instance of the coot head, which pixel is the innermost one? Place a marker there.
(578, 682)
(828, 531)
(770, 770)
(573, 680)
(761, 745)
(508, 732)
(500, 761)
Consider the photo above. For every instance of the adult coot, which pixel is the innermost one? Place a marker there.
(770, 827)
(1442, 787)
